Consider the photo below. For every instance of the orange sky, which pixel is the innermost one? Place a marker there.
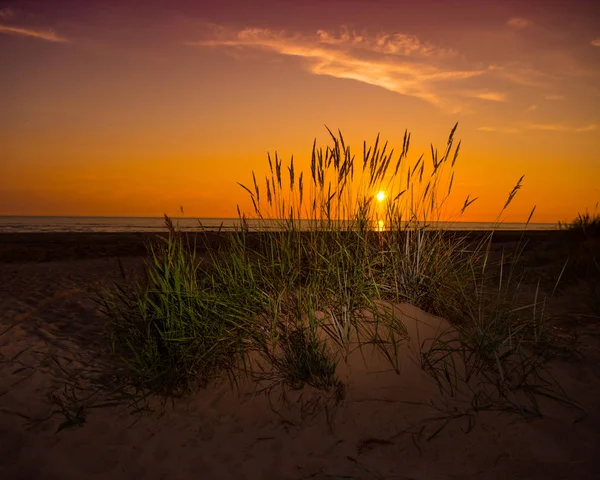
(135, 108)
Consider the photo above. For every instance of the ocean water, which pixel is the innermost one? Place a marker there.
(23, 224)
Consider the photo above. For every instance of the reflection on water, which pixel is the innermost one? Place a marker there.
(23, 224)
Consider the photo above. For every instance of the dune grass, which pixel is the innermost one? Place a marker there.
(585, 224)
(288, 299)
(582, 248)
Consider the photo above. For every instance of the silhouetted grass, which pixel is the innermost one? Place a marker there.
(300, 295)
(586, 225)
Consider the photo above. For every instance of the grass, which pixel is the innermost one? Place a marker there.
(579, 244)
(287, 305)
(300, 358)
(586, 225)
(178, 331)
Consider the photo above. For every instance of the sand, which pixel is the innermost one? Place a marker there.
(225, 433)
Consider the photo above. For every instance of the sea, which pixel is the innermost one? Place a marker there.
(24, 224)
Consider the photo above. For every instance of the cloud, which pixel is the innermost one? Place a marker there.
(394, 44)
(47, 35)
(499, 129)
(543, 127)
(592, 127)
(557, 127)
(6, 13)
(397, 62)
(519, 22)
(596, 42)
(491, 96)
(523, 74)
(554, 97)
(531, 108)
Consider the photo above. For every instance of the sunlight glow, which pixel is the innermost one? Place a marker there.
(380, 196)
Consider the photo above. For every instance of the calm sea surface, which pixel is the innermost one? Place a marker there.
(16, 224)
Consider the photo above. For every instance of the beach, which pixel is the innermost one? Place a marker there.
(52, 343)
(315, 240)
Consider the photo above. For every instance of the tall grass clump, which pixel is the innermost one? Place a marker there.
(336, 253)
(339, 245)
(582, 246)
(310, 274)
(173, 331)
(585, 224)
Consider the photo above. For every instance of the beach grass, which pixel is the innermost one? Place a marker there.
(318, 275)
(585, 224)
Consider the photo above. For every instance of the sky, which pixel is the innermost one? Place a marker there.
(135, 108)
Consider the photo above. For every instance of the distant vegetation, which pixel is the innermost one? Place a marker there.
(287, 306)
(588, 224)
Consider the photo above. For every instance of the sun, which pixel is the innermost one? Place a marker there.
(380, 196)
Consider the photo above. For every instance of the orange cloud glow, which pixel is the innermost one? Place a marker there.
(397, 62)
(47, 35)
(518, 22)
(491, 96)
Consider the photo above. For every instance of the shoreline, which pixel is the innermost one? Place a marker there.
(53, 246)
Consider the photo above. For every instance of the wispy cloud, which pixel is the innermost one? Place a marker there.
(491, 96)
(592, 127)
(522, 74)
(554, 97)
(394, 44)
(543, 127)
(519, 22)
(499, 129)
(558, 127)
(401, 63)
(48, 35)
(531, 108)
(6, 13)
(596, 42)
(397, 62)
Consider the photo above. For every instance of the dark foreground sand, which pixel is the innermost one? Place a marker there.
(45, 284)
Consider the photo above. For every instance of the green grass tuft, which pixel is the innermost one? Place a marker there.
(305, 277)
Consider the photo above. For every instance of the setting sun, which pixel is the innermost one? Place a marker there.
(380, 196)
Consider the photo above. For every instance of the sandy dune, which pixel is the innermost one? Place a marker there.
(221, 433)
